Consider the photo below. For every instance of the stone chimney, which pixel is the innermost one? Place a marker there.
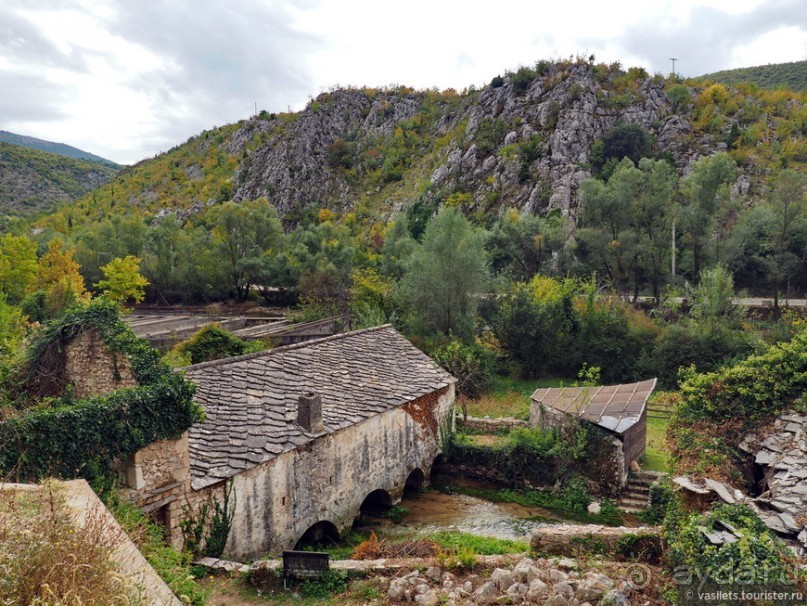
(309, 412)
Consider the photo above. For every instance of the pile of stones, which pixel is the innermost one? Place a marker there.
(541, 581)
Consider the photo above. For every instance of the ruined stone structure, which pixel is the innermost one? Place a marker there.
(91, 368)
(307, 434)
(619, 409)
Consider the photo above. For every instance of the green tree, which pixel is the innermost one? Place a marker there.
(705, 189)
(522, 245)
(445, 275)
(653, 214)
(323, 256)
(122, 280)
(623, 141)
(241, 232)
(58, 281)
(98, 243)
(398, 246)
(609, 238)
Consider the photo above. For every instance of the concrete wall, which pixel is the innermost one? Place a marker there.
(327, 480)
(93, 369)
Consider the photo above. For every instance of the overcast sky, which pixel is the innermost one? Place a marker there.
(128, 79)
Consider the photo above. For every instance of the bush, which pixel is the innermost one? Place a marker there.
(497, 82)
(757, 557)
(623, 141)
(211, 343)
(46, 558)
(471, 365)
(329, 583)
(751, 390)
(706, 348)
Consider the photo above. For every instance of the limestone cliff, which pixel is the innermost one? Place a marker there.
(523, 141)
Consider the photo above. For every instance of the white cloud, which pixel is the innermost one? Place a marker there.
(128, 79)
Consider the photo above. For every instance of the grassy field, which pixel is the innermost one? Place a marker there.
(509, 397)
(657, 455)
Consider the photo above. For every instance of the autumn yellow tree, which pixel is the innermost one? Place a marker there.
(59, 281)
(17, 266)
(123, 281)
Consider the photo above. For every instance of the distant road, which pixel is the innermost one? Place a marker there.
(762, 302)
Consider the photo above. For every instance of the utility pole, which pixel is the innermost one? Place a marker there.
(673, 249)
(673, 59)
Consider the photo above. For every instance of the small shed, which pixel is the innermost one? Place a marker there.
(620, 409)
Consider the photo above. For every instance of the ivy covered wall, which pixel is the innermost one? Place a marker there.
(59, 434)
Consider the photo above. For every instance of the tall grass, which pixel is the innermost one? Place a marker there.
(46, 558)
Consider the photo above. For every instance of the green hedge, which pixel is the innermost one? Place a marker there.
(65, 438)
(753, 389)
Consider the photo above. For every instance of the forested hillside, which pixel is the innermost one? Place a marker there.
(792, 76)
(60, 149)
(32, 181)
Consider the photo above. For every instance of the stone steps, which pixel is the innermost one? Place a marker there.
(635, 496)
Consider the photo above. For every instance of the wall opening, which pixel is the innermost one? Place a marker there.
(414, 481)
(321, 533)
(437, 465)
(376, 502)
(162, 517)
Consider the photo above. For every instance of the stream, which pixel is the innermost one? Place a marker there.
(434, 511)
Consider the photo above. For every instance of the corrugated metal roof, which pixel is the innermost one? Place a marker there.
(615, 407)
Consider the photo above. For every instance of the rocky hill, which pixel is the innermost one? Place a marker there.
(32, 181)
(524, 141)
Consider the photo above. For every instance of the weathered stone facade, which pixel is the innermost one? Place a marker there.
(327, 480)
(380, 404)
(94, 370)
(157, 478)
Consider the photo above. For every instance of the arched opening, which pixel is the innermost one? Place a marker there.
(414, 481)
(375, 503)
(437, 465)
(321, 533)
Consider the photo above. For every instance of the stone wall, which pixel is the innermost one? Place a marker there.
(157, 477)
(327, 479)
(572, 539)
(93, 369)
(491, 425)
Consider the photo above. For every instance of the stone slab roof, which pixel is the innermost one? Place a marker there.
(617, 408)
(250, 401)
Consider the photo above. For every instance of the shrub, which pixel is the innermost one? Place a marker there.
(329, 583)
(623, 141)
(756, 557)
(46, 558)
(497, 82)
(751, 390)
(692, 345)
(211, 343)
(522, 79)
(471, 365)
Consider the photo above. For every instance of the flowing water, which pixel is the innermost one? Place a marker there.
(434, 511)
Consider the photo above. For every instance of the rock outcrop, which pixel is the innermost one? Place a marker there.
(474, 144)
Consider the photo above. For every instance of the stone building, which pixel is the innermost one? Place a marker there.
(306, 434)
